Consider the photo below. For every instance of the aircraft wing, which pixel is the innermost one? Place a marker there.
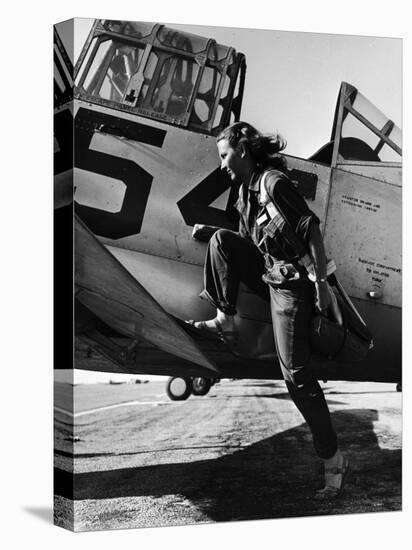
(113, 295)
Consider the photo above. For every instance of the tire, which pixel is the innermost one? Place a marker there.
(178, 388)
(201, 385)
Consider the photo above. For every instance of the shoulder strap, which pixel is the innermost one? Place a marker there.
(264, 197)
(273, 211)
(265, 200)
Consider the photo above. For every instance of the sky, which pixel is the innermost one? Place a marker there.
(293, 78)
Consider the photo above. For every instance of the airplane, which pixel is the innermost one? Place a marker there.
(136, 167)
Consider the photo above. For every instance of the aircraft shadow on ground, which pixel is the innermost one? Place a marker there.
(275, 477)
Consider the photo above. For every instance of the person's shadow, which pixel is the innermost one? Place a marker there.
(273, 478)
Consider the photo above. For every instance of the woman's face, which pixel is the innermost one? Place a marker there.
(231, 159)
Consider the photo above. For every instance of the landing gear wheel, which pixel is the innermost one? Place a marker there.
(201, 385)
(178, 388)
(399, 387)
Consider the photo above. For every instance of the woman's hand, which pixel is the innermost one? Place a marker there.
(323, 297)
(203, 232)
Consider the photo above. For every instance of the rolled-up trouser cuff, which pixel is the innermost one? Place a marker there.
(222, 306)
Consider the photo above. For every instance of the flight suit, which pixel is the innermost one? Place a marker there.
(263, 256)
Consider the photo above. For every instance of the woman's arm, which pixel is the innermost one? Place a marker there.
(203, 232)
(317, 252)
(296, 212)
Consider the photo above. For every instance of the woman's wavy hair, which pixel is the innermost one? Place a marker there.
(264, 149)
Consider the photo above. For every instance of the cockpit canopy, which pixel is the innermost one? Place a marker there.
(161, 73)
(360, 132)
(361, 119)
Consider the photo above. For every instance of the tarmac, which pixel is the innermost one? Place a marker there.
(242, 452)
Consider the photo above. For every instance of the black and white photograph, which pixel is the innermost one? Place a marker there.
(205, 275)
(228, 207)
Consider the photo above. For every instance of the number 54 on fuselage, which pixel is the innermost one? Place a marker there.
(143, 105)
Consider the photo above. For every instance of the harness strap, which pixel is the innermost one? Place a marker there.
(273, 212)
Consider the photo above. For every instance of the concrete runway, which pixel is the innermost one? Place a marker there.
(241, 452)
